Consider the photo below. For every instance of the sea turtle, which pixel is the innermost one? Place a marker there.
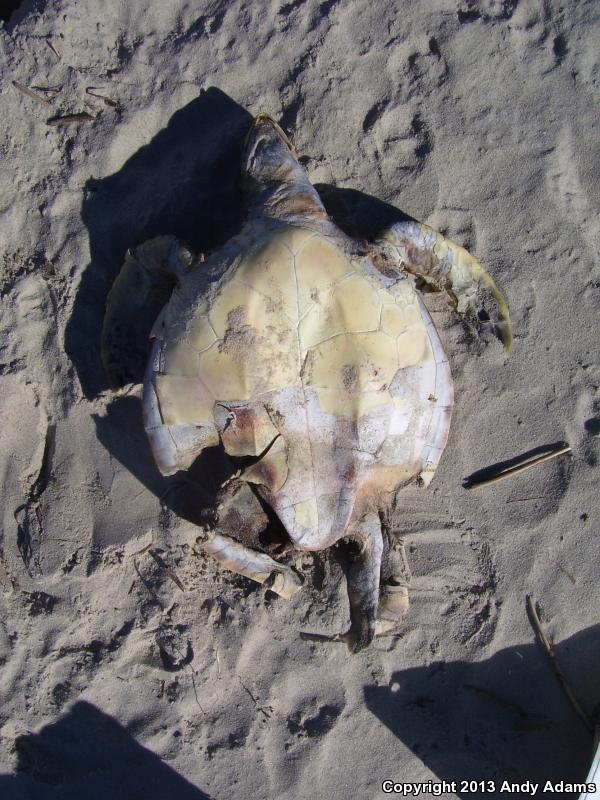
(312, 357)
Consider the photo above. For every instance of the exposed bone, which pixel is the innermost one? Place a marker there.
(260, 567)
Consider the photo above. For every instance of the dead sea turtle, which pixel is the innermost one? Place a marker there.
(312, 356)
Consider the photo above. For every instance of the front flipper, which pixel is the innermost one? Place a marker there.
(448, 267)
(138, 293)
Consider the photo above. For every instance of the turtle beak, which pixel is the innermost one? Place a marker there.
(268, 151)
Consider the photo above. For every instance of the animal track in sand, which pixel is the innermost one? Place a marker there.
(400, 141)
(417, 66)
(538, 38)
(311, 723)
(486, 10)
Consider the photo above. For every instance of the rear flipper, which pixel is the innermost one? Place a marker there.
(363, 584)
(445, 266)
(395, 582)
(140, 290)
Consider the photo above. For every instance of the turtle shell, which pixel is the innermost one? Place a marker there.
(312, 360)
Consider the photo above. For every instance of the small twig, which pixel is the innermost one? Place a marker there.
(91, 90)
(51, 46)
(518, 468)
(51, 90)
(143, 550)
(198, 703)
(162, 563)
(524, 499)
(534, 619)
(162, 690)
(254, 700)
(322, 637)
(69, 119)
(34, 95)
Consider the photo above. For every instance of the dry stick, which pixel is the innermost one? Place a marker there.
(518, 468)
(51, 90)
(30, 93)
(171, 573)
(255, 701)
(91, 90)
(51, 46)
(69, 119)
(535, 621)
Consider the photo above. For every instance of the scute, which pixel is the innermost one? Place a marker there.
(270, 271)
(201, 334)
(318, 265)
(393, 319)
(184, 400)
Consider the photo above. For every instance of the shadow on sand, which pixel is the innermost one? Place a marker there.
(87, 754)
(505, 718)
(185, 182)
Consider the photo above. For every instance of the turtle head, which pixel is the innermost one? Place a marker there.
(274, 180)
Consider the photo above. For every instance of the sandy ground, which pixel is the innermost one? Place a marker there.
(479, 118)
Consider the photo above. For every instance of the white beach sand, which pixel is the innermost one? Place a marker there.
(478, 118)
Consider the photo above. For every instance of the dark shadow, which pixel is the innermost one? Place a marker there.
(14, 11)
(359, 215)
(489, 472)
(87, 754)
(122, 433)
(506, 718)
(185, 182)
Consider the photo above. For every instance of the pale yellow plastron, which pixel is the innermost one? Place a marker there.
(270, 271)
(257, 348)
(201, 334)
(306, 514)
(350, 306)
(393, 319)
(319, 264)
(413, 347)
(180, 359)
(351, 372)
(184, 400)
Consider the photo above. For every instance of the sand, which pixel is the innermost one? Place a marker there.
(478, 118)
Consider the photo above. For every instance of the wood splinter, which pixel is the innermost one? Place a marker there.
(30, 93)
